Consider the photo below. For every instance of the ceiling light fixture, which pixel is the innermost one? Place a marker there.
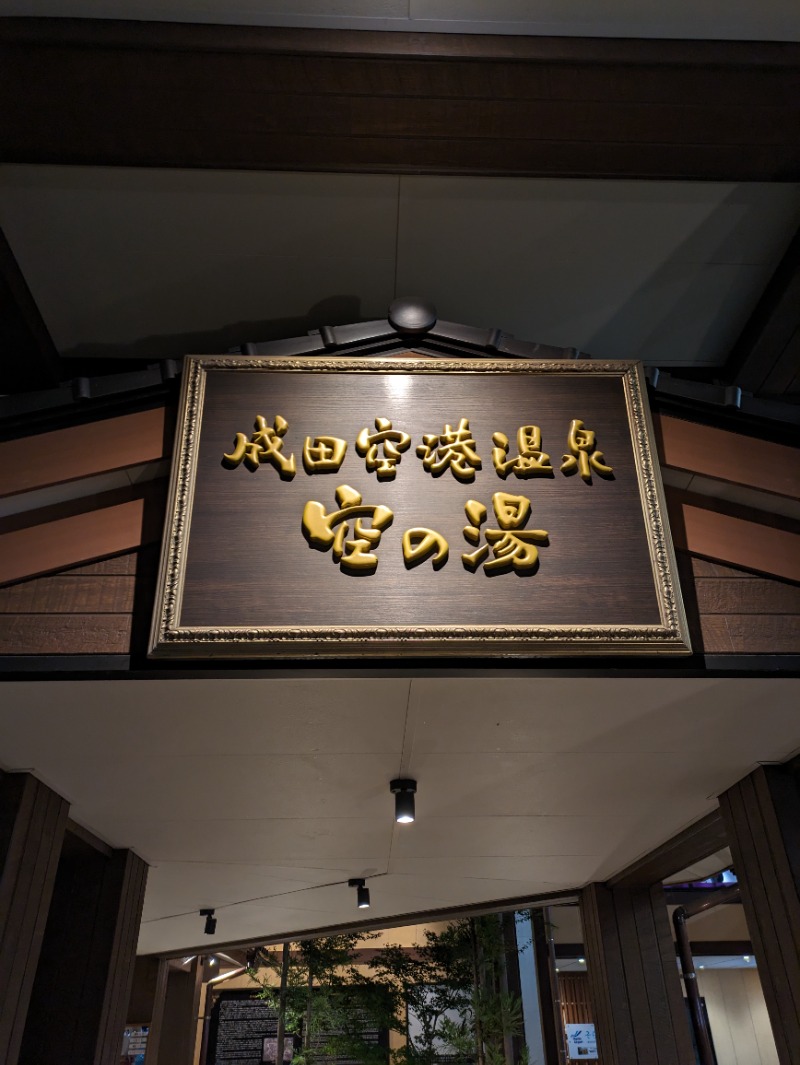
(211, 922)
(362, 892)
(403, 791)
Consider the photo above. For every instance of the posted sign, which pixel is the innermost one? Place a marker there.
(581, 1042)
(412, 506)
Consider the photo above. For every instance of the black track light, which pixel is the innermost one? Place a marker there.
(362, 892)
(403, 791)
(211, 922)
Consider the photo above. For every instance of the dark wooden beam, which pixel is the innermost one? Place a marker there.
(32, 823)
(635, 989)
(766, 358)
(698, 841)
(157, 94)
(762, 816)
(28, 356)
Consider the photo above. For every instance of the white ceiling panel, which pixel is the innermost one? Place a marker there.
(250, 795)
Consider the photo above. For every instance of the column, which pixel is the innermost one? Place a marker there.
(762, 819)
(32, 823)
(638, 1003)
(80, 995)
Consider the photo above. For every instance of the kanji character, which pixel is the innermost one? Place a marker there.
(354, 555)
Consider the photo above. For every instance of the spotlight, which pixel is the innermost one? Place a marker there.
(403, 791)
(362, 892)
(211, 922)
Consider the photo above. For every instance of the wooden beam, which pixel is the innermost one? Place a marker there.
(702, 530)
(32, 823)
(762, 816)
(94, 922)
(28, 357)
(118, 521)
(633, 979)
(33, 462)
(156, 94)
(698, 841)
(726, 456)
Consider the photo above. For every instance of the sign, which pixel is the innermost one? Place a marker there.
(581, 1042)
(244, 1030)
(410, 506)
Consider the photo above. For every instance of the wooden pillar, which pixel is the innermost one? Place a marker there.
(178, 1036)
(157, 1014)
(633, 979)
(80, 995)
(32, 823)
(762, 819)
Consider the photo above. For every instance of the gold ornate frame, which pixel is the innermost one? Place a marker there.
(170, 640)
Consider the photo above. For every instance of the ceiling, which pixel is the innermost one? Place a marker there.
(152, 263)
(772, 20)
(268, 790)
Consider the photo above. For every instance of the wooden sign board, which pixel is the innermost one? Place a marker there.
(415, 506)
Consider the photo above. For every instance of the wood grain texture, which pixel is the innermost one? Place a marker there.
(68, 594)
(85, 450)
(109, 524)
(751, 634)
(81, 1019)
(700, 530)
(635, 990)
(726, 456)
(119, 566)
(730, 595)
(762, 818)
(248, 563)
(32, 823)
(65, 634)
(160, 95)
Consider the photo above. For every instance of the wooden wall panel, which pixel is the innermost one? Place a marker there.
(65, 634)
(726, 456)
(69, 593)
(85, 450)
(91, 609)
(635, 988)
(762, 819)
(32, 823)
(87, 529)
(93, 923)
(154, 94)
(701, 527)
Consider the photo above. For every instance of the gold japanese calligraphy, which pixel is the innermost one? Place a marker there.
(509, 547)
(353, 555)
(512, 546)
(453, 449)
(420, 544)
(264, 445)
(323, 454)
(583, 457)
(382, 449)
(531, 460)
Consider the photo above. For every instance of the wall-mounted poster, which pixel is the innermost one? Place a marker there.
(410, 506)
(581, 1042)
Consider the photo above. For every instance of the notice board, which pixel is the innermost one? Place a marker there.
(415, 507)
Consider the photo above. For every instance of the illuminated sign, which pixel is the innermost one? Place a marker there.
(415, 506)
